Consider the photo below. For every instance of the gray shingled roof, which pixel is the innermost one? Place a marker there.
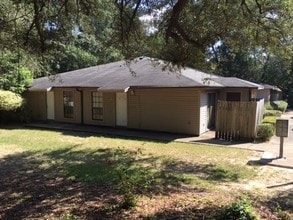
(267, 86)
(236, 82)
(140, 72)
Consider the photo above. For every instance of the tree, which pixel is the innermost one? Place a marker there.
(191, 26)
(14, 73)
(183, 30)
(276, 72)
(195, 26)
(245, 64)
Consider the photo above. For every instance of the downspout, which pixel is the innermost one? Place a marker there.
(81, 105)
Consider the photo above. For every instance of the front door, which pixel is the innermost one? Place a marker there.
(50, 106)
(211, 110)
(121, 109)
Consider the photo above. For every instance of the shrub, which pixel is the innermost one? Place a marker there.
(282, 215)
(132, 179)
(265, 131)
(10, 101)
(282, 106)
(240, 210)
(276, 113)
(276, 105)
(268, 106)
(269, 120)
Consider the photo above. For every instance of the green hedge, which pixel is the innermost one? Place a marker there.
(269, 119)
(265, 131)
(268, 106)
(276, 113)
(276, 105)
(10, 101)
(282, 106)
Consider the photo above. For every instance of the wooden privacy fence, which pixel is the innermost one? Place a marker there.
(238, 120)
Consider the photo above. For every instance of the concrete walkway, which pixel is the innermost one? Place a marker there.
(270, 149)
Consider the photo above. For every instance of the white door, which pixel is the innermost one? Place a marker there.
(50, 105)
(203, 113)
(121, 109)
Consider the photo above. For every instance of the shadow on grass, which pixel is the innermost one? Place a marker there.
(91, 183)
(94, 130)
(282, 201)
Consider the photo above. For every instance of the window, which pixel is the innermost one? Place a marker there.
(233, 96)
(68, 104)
(97, 106)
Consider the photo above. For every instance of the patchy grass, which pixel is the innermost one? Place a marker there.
(49, 174)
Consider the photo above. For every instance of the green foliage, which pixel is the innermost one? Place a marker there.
(276, 71)
(269, 120)
(277, 105)
(282, 106)
(68, 216)
(16, 80)
(10, 101)
(72, 58)
(14, 75)
(290, 95)
(282, 215)
(268, 106)
(239, 210)
(265, 131)
(276, 113)
(130, 182)
(233, 63)
(65, 35)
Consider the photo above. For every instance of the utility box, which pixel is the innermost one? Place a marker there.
(282, 127)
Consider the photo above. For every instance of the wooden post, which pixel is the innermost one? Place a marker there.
(281, 152)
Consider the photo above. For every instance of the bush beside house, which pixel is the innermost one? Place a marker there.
(10, 106)
(265, 131)
(273, 110)
(276, 105)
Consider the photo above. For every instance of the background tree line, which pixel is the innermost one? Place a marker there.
(249, 39)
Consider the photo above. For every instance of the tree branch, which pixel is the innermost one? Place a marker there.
(38, 23)
(174, 29)
(174, 20)
(133, 15)
(243, 3)
(259, 6)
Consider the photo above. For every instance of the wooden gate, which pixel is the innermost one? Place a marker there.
(238, 120)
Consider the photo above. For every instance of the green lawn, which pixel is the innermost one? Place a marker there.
(90, 158)
(131, 169)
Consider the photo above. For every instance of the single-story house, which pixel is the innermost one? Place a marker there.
(145, 93)
(269, 93)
